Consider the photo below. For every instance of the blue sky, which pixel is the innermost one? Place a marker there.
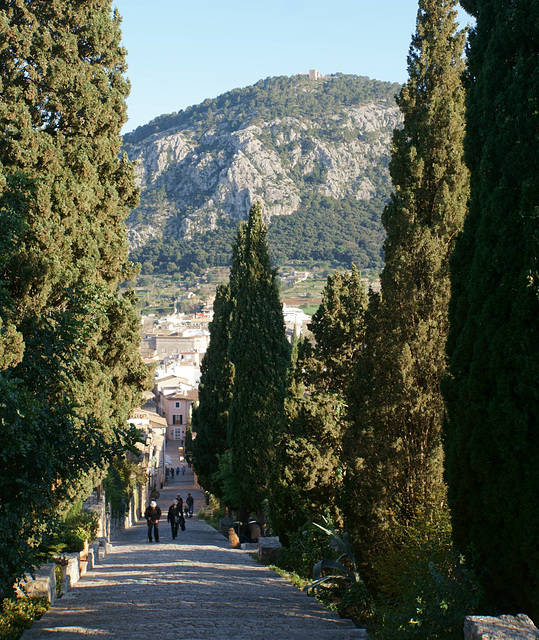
(180, 53)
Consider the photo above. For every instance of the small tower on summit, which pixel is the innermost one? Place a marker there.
(314, 74)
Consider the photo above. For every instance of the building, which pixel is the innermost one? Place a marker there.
(178, 409)
(153, 447)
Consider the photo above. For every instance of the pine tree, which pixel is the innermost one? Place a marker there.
(492, 457)
(210, 418)
(395, 465)
(64, 194)
(309, 467)
(259, 353)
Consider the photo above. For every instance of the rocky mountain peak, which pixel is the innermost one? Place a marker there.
(287, 142)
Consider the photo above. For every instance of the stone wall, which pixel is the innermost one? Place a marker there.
(75, 565)
(501, 628)
(42, 585)
(97, 505)
(111, 527)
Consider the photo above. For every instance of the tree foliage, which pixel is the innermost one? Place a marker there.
(210, 418)
(395, 465)
(308, 478)
(259, 353)
(273, 98)
(71, 372)
(493, 409)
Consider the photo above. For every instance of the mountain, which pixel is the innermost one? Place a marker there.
(313, 149)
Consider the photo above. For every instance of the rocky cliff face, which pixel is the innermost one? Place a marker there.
(295, 138)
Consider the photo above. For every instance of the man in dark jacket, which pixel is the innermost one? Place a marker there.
(152, 515)
(175, 516)
(190, 504)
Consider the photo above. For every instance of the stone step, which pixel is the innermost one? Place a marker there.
(194, 588)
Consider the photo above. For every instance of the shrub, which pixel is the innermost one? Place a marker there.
(308, 545)
(18, 614)
(344, 568)
(434, 604)
(73, 532)
(122, 478)
(425, 589)
(59, 578)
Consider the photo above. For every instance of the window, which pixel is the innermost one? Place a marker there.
(177, 405)
(177, 419)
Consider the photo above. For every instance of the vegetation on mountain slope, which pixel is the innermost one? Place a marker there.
(315, 153)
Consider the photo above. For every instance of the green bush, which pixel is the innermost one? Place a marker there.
(73, 532)
(424, 588)
(59, 578)
(357, 603)
(308, 545)
(434, 604)
(120, 483)
(18, 614)
(74, 540)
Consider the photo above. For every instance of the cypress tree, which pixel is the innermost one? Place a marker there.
(210, 418)
(259, 353)
(64, 195)
(395, 467)
(309, 470)
(492, 457)
(338, 329)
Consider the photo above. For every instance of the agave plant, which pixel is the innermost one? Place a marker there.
(347, 571)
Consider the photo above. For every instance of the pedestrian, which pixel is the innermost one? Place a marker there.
(152, 515)
(177, 471)
(190, 504)
(180, 501)
(251, 532)
(174, 515)
(172, 473)
(183, 470)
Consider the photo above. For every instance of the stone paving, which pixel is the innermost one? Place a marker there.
(193, 588)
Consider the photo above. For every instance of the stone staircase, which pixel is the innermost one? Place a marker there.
(194, 588)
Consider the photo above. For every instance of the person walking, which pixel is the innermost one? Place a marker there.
(190, 504)
(152, 515)
(174, 516)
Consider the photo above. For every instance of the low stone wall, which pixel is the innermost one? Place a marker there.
(117, 525)
(95, 505)
(518, 627)
(43, 585)
(268, 548)
(72, 570)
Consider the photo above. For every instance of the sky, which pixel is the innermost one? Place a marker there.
(181, 52)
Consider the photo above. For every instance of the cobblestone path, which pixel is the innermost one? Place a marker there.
(193, 588)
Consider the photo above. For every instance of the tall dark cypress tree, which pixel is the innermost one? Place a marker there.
(309, 466)
(260, 355)
(210, 418)
(64, 196)
(395, 469)
(492, 455)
